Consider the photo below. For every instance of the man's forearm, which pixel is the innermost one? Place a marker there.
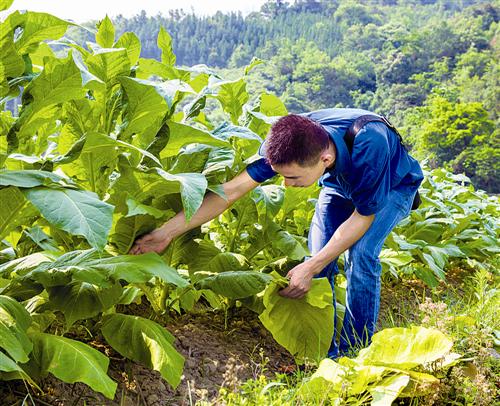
(344, 237)
(212, 206)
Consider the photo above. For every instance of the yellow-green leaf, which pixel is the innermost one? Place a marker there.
(105, 36)
(165, 44)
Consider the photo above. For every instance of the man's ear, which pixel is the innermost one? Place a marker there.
(327, 158)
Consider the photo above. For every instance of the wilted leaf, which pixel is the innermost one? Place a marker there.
(405, 348)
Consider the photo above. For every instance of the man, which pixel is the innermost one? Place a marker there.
(369, 183)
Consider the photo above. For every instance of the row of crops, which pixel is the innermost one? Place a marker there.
(107, 146)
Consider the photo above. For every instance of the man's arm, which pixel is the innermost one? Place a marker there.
(212, 206)
(344, 237)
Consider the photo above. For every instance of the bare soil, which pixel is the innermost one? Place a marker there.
(216, 355)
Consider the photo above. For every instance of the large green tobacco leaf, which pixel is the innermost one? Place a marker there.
(208, 259)
(108, 64)
(219, 160)
(225, 262)
(38, 27)
(89, 80)
(72, 361)
(271, 105)
(19, 265)
(15, 210)
(81, 117)
(31, 178)
(271, 199)
(76, 211)
(429, 230)
(394, 259)
(34, 120)
(182, 134)
(135, 208)
(144, 341)
(227, 132)
(303, 326)
(139, 268)
(192, 159)
(105, 36)
(165, 44)
(151, 67)
(14, 321)
(192, 187)
(131, 43)
(95, 267)
(59, 81)
(232, 96)
(145, 110)
(82, 300)
(431, 263)
(265, 113)
(294, 247)
(8, 365)
(127, 229)
(236, 285)
(326, 382)
(11, 64)
(96, 162)
(405, 348)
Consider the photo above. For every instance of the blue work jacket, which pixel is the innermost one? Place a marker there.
(378, 164)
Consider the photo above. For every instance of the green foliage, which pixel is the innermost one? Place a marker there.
(75, 211)
(359, 381)
(459, 135)
(110, 156)
(453, 223)
(14, 322)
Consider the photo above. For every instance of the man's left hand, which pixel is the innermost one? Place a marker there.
(300, 281)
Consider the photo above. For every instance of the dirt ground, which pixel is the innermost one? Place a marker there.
(215, 356)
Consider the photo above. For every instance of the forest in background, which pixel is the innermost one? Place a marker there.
(431, 66)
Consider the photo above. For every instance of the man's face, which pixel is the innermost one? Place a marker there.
(300, 176)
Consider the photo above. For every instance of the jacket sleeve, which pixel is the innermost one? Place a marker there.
(260, 170)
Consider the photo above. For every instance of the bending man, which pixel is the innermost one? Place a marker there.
(369, 182)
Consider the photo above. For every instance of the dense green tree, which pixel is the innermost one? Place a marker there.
(459, 135)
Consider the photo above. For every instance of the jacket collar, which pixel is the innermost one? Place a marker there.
(342, 163)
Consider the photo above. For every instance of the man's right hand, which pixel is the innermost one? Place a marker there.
(155, 241)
